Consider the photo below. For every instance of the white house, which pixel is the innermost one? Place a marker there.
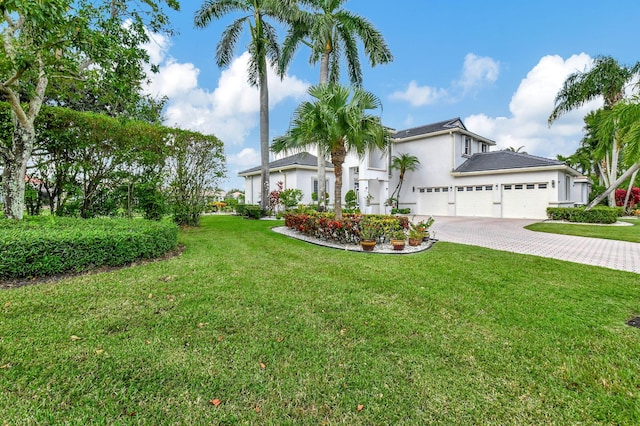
(459, 175)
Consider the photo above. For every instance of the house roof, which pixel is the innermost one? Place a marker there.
(502, 160)
(454, 123)
(302, 159)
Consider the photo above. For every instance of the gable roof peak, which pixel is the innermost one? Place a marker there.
(453, 123)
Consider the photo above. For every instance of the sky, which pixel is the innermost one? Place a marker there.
(496, 64)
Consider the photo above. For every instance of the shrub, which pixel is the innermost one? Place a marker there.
(326, 227)
(599, 214)
(253, 211)
(400, 211)
(44, 246)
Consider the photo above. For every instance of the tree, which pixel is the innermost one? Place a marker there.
(519, 149)
(46, 41)
(606, 78)
(339, 122)
(263, 47)
(403, 163)
(331, 31)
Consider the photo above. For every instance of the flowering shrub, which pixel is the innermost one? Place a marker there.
(634, 198)
(348, 230)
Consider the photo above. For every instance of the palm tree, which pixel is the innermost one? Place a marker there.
(519, 150)
(404, 163)
(330, 31)
(338, 122)
(263, 46)
(607, 78)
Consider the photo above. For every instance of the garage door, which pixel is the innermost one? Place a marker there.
(525, 201)
(433, 201)
(476, 200)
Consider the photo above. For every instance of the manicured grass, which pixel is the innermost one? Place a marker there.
(285, 332)
(609, 232)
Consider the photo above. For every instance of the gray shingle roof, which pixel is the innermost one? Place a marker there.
(430, 128)
(300, 159)
(501, 160)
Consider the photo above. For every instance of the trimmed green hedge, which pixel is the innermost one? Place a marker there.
(598, 214)
(43, 246)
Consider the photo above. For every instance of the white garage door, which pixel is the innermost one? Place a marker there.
(476, 200)
(525, 201)
(433, 201)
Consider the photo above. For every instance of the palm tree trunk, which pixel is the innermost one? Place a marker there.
(322, 170)
(338, 155)
(264, 139)
(613, 171)
(613, 186)
(633, 179)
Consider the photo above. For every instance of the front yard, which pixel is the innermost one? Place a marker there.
(252, 327)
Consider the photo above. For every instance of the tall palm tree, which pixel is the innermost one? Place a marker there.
(607, 78)
(403, 163)
(262, 47)
(338, 121)
(330, 32)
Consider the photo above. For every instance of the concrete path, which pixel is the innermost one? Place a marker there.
(510, 235)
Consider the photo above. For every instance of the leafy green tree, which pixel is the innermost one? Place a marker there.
(65, 39)
(608, 79)
(263, 47)
(332, 32)
(403, 163)
(337, 120)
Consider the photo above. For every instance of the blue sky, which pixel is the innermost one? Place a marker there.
(498, 65)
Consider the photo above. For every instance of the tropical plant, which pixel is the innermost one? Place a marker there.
(339, 122)
(606, 78)
(263, 47)
(403, 163)
(519, 150)
(331, 32)
(351, 199)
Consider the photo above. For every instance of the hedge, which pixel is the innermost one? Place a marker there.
(44, 246)
(598, 214)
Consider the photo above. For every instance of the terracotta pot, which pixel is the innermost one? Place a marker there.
(368, 245)
(398, 244)
(415, 241)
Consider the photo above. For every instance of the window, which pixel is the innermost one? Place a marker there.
(469, 188)
(460, 189)
(445, 189)
(467, 146)
(530, 186)
(436, 190)
(542, 186)
(484, 147)
(518, 186)
(429, 189)
(478, 188)
(507, 187)
(422, 190)
(488, 188)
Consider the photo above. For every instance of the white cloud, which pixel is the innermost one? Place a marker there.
(419, 95)
(476, 71)
(530, 107)
(230, 111)
(247, 157)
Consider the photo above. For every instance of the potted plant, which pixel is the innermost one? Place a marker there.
(416, 235)
(368, 234)
(398, 239)
(424, 227)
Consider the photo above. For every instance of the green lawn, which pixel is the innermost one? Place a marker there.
(609, 232)
(285, 332)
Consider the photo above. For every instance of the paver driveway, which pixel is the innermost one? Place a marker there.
(510, 235)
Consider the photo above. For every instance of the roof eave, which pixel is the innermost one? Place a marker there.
(445, 132)
(518, 170)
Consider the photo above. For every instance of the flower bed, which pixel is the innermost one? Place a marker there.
(326, 227)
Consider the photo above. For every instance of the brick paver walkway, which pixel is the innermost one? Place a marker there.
(510, 235)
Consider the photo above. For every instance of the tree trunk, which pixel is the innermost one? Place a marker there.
(15, 170)
(322, 171)
(614, 185)
(337, 159)
(264, 139)
(613, 171)
(628, 195)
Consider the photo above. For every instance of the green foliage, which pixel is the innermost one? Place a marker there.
(290, 197)
(254, 211)
(600, 214)
(350, 199)
(401, 211)
(46, 246)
